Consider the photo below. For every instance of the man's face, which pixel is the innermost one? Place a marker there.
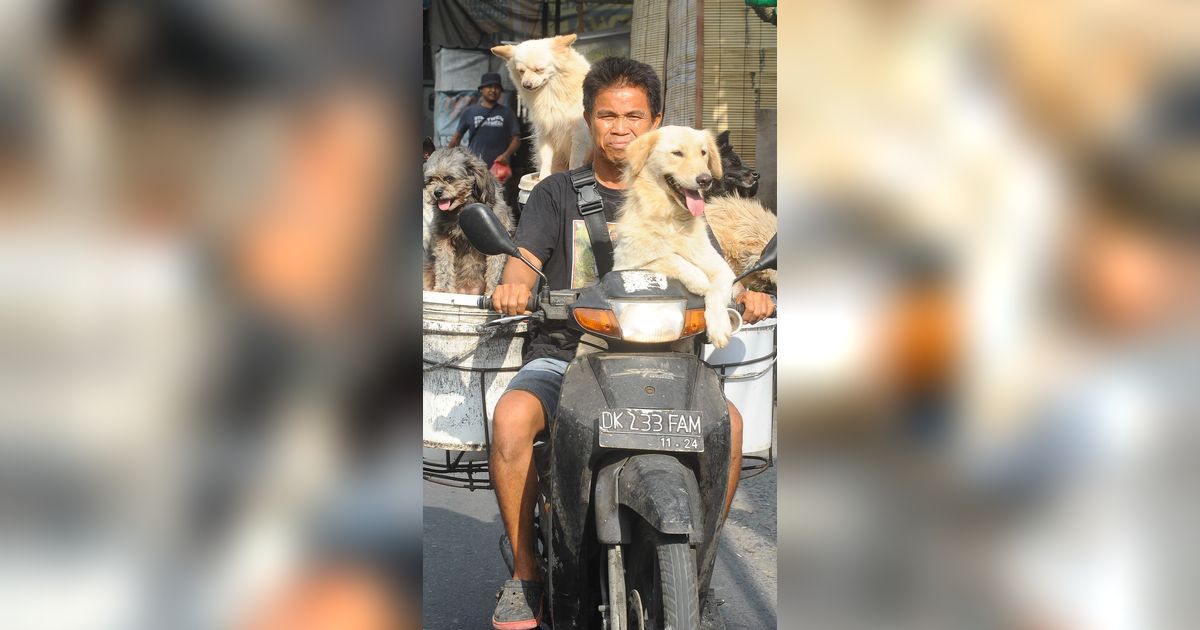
(619, 114)
(491, 93)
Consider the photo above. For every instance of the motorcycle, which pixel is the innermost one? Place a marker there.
(633, 476)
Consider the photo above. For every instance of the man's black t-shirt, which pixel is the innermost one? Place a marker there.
(491, 130)
(552, 229)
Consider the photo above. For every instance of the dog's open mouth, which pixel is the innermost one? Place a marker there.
(691, 198)
(445, 205)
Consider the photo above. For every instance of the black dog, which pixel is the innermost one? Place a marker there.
(739, 179)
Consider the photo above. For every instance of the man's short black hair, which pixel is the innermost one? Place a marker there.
(622, 72)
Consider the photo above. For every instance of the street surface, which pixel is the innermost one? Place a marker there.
(463, 568)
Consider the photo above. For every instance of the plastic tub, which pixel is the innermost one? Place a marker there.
(747, 369)
(465, 370)
(524, 187)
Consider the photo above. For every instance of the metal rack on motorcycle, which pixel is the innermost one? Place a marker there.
(467, 367)
(747, 373)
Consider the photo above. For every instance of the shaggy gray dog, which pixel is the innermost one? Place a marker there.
(454, 178)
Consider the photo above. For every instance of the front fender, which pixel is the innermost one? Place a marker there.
(658, 487)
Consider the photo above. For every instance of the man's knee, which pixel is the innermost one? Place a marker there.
(518, 418)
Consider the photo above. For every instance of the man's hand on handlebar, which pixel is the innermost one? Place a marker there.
(513, 295)
(511, 299)
(759, 306)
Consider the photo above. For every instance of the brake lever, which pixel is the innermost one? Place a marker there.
(501, 321)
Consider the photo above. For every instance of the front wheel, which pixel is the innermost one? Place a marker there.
(661, 578)
(680, 603)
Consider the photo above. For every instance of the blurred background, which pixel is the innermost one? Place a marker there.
(990, 217)
(207, 415)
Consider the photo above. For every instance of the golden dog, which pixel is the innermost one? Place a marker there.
(661, 224)
(743, 227)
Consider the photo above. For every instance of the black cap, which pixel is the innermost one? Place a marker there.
(489, 78)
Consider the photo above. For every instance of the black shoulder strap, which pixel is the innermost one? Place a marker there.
(591, 206)
(712, 238)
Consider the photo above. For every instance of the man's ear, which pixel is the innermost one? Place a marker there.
(657, 121)
(504, 52)
(564, 41)
(639, 152)
(714, 156)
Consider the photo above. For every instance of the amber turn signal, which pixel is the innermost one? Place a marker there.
(599, 321)
(693, 322)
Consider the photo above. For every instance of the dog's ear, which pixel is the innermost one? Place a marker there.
(427, 146)
(565, 41)
(504, 52)
(484, 186)
(714, 156)
(727, 152)
(638, 152)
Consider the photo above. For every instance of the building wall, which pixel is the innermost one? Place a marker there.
(739, 73)
(735, 64)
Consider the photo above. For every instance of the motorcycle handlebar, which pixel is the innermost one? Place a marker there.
(485, 302)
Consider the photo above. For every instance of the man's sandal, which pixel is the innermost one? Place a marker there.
(518, 606)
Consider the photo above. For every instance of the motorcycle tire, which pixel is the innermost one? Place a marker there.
(680, 603)
(662, 568)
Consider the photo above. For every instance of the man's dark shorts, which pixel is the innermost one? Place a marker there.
(543, 378)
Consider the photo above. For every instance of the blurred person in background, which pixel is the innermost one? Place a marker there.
(494, 128)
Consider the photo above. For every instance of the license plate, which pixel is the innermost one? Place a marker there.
(651, 429)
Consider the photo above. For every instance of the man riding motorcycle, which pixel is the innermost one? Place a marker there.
(622, 99)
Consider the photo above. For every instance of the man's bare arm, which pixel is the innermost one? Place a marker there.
(455, 139)
(513, 145)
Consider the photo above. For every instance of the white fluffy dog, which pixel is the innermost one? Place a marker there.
(661, 225)
(549, 75)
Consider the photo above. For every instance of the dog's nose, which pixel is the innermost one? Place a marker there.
(704, 180)
(437, 192)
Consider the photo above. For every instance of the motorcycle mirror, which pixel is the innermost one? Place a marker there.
(485, 232)
(766, 260)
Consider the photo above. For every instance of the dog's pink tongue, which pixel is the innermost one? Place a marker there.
(695, 203)
(444, 204)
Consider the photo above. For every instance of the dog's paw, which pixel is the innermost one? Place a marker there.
(719, 328)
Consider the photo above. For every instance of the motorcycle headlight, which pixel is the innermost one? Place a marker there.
(650, 321)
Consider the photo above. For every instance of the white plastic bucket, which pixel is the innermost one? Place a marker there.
(458, 398)
(747, 366)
